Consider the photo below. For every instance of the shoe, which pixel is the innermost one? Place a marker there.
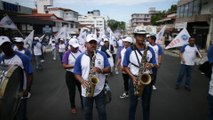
(124, 95)
(187, 88)
(42, 61)
(153, 87)
(73, 111)
(54, 58)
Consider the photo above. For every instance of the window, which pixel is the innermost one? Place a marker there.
(190, 10)
(196, 8)
(186, 8)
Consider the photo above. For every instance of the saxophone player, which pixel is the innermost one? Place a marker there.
(132, 63)
(83, 70)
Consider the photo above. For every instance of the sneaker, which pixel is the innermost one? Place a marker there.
(153, 87)
(124, 95)
(42, 61)
(73, 111)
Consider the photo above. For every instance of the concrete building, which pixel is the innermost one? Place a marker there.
(197, 17)
(142, 18)
(93, 20)
(69, 16)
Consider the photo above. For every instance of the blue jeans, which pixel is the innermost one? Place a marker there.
(145, 102)
(38, 61)
(185, 69)
(100, 106)
(210, 102)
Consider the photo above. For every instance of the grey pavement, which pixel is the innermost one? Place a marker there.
(50, 100)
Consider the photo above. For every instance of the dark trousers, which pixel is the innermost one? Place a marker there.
(71, 84)
(210, 102)
(22, 111)
(145, 102)
(154, 75)
(126, 82)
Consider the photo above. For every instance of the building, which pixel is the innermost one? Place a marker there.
(93, 20)
(19, 15)
(196, 16)
(69, 16)
(142, 18)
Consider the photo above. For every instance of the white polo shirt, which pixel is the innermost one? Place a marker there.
(82, 67)
(157, 49)
(69, 58)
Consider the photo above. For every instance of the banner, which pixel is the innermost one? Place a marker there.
(29, 40)
(159, 36)
(6, 22)
(180, 40)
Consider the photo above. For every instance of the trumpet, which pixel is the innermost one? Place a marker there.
(93, 80)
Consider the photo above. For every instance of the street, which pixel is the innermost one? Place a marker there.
(50, 101)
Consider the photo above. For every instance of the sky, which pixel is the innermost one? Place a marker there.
(119, 10)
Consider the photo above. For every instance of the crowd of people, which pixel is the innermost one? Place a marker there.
(138, 58)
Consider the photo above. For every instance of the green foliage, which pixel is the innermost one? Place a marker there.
(161, 14)
(114, 25)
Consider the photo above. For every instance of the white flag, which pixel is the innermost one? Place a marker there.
(29, 40)
(6, 22)
(180, 40)
(159, 36)
(41, 38)
(62, 33)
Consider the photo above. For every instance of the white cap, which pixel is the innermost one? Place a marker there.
(140, 30)
(36, 38)
(4, 39)
(106, 39)
(74, 42)
(19, 39)
(128, 39)
(91, 37)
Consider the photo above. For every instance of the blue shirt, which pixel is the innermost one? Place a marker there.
(210, 54)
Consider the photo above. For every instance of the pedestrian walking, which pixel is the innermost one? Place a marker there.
(68, 61)
(188, 54)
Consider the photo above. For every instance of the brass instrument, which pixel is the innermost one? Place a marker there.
(92, 78)
(143, 78)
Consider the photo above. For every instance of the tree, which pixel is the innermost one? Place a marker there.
(116, 25)
(158, 16)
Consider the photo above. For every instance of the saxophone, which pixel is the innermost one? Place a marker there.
(143, 78)
(93, 80)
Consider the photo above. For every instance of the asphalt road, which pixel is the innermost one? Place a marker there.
(49, 100)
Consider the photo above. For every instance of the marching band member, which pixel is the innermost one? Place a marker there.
(133, 60)
(158, 55)
(91, 63)
(127, 43)
(12, 57)
(69, 59)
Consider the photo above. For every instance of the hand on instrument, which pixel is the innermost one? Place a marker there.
(149, 65)
(134, 80)
(85, 83)
(97, 70)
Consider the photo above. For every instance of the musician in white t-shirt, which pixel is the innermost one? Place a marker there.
(188, 54)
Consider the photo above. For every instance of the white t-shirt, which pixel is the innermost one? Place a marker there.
(122, 55)
(211, 84)
(158, 51)
(69, 58)
(61, 48)
(189, 54)
(37, 49)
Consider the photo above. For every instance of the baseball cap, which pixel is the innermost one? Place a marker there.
(74, 42)
(19, 39)
(4, 39)
(106, 39)
(36, 38)
(91, 37)
(128, 39)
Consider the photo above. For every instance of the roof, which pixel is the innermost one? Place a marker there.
(59, 8)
